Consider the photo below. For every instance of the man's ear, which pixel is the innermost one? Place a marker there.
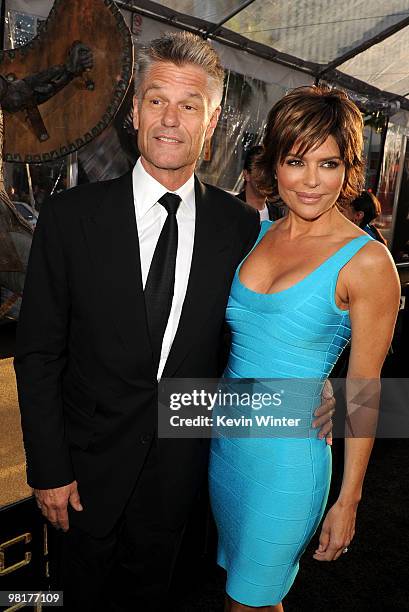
(246, 175)
(135, 115)
(213, 122)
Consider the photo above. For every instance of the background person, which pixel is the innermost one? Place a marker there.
(251, 194)
(363, 211)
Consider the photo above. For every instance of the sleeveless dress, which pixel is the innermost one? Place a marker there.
(268, 494)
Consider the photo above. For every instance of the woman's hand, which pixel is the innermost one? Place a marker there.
(337, 531)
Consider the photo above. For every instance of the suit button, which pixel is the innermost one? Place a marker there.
(145, 438)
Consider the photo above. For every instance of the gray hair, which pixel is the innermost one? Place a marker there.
(182, 48)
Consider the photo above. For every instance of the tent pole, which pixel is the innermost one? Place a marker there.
(365, 45)
(381, 152)
(214, 28)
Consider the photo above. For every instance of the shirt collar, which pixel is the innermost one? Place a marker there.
(147, 191)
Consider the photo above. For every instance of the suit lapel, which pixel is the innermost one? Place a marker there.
(210, 260)
(113, 242)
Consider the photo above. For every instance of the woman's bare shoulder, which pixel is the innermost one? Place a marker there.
(374, 253)
(373, 269)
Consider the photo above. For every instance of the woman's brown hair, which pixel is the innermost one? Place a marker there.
(307, 116)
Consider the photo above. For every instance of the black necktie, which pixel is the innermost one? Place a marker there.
(160, 283)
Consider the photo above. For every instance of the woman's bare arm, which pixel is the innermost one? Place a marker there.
(373, 289)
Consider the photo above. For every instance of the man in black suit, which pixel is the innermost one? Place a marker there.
(128, 282)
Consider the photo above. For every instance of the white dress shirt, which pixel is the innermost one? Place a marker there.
(150, 218)
(264, 216)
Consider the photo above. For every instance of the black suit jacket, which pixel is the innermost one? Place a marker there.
(86, 383)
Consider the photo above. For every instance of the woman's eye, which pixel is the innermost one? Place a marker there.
(331, 164)
(155, 101)
(294, 162)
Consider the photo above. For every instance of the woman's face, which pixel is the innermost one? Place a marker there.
(310, 185)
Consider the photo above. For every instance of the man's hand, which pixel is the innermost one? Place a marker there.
(325, 413)
(53, 503)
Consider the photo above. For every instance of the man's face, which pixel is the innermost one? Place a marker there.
(249, 178)
(173, 118)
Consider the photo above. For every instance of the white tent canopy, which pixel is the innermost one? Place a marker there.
(361, 44)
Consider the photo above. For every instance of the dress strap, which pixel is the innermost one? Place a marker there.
(338, 261)
(341, 257)
(265, 226)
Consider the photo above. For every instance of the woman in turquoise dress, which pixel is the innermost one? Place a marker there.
(313, 282)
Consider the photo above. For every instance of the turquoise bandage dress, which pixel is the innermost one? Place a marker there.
(268, 494)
